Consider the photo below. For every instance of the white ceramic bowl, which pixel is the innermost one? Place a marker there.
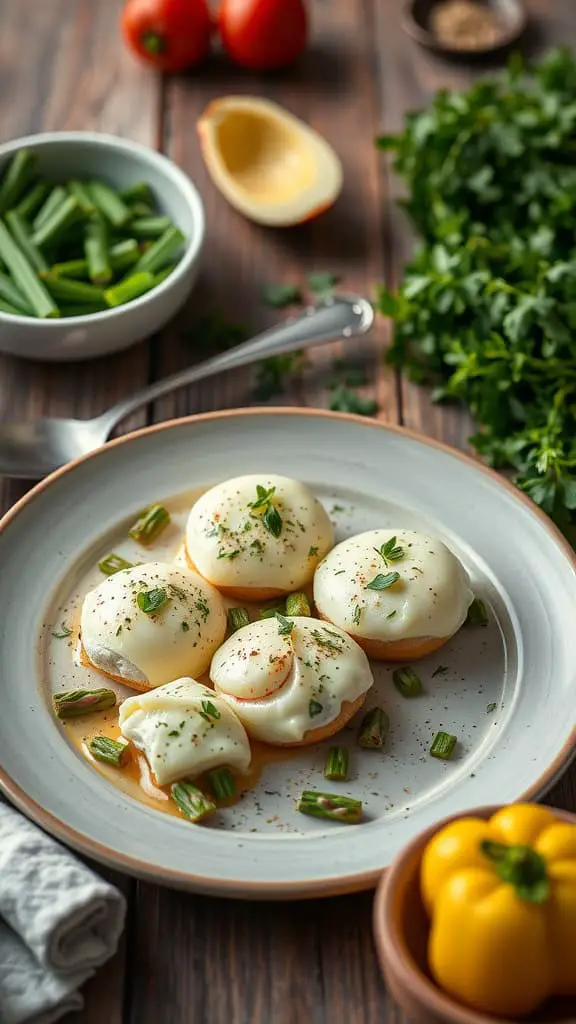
(119, 162)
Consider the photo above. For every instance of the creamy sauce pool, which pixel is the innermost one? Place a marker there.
(135, 778)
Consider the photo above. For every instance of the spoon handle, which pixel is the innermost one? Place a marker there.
(341, 317)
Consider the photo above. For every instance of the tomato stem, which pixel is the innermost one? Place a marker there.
(153, 43)
(522, 867)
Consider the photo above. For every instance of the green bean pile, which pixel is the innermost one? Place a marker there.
(78, 248)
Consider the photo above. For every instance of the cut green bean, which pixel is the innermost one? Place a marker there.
(407, 682)
(269, 613)
(72, 703)
(21, 236)
(192, 802)
(57, 224)
(14, 297)
(32, 201)
(161, 252)
(443, 746)
(75, 292)
(298, 604)
(109, 203)
(79, 190)
(141, 209)
(55, 199)
(16, 179)
(71, 268)
(237, 618)
(114, 563)
(108, 751)
(139, 190)
(336, 767)
(331, 806)
(124, 254)
(149, 525)
(373, 729)
(25, 277)
(6, 307)
(150, 227)
(129, 288)
(96, 251)
(222, 783)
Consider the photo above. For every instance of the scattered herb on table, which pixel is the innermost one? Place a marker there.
(322, 283)
(486, 308)
(213, 333)
(342, 399)
(281, 295)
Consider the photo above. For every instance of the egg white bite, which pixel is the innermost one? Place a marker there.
(184, 729)
(150, 624)
(399, 593)
(293, 680)
(257, 537)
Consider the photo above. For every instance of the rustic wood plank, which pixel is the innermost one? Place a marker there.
(332, 88)
(68, 70)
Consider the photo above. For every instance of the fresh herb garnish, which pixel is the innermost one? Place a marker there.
(342, 399)
(485, 311)
(229, 554)
(323, 639)
(272, 519)
(490, 708)
(322, 283)
(209, 712)
(151, 601)
(392, 614)
(64, 632)
(281, 295)
(285, 626)
(312, 552)
(314, 708)
(264, 496)
(383, 580)
(356, 615)
(185, 627)
(390, 551)
(177, 591)
(440, 671)
(273, 373)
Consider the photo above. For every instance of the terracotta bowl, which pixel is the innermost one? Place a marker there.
(401, 935)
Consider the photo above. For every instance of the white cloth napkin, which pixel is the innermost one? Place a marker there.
(59, 922)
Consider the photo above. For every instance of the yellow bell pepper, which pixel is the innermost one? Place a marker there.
(501, 896)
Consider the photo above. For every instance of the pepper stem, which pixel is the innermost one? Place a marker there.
(520, 866)
(153, 43)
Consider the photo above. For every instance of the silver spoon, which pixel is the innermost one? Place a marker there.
(35, 448)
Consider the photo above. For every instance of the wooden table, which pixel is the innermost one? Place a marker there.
(62, 66)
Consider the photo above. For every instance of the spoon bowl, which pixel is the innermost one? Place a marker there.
(33, 449)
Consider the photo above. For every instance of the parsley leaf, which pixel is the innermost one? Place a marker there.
(281, 295)
(314, 708)
(209, 712)
(272, 521)
(343, 399)
(322, 283)
(383, 581)
(150, 601)
(285, 626)
(486, 311)
(390, 551)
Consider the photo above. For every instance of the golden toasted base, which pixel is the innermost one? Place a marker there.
(395, 650)
(250, 594)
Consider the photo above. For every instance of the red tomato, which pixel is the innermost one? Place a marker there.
(170, 34)
(263, 34)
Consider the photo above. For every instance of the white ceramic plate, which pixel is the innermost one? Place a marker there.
(524, 661)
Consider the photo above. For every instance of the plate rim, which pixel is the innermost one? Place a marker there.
(342, 884)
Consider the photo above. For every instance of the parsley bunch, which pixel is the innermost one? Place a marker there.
(487, 307)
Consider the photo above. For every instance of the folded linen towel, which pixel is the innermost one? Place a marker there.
(61, 922)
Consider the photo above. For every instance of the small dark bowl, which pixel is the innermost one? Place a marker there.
(401, 936)
(511, 13)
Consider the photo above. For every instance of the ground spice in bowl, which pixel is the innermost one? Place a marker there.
(465, 25)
